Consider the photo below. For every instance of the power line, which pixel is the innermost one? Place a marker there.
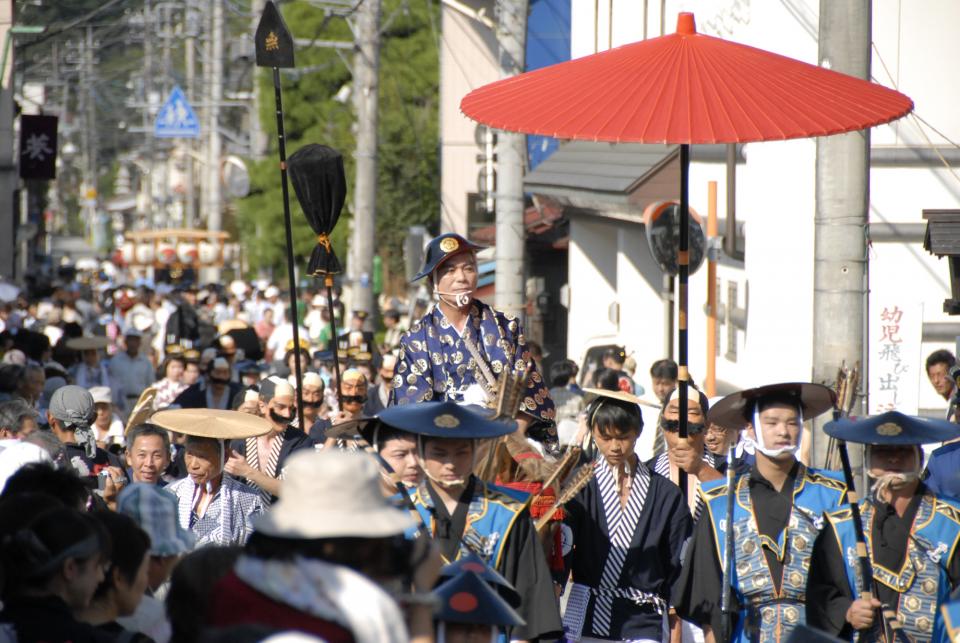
(69, 26)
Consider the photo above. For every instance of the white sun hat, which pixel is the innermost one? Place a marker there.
(332, 494)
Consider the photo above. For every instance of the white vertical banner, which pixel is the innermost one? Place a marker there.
(896, 330)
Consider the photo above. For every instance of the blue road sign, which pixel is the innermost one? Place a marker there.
(176, 119)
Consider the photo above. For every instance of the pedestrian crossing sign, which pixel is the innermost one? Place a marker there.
(176, 119)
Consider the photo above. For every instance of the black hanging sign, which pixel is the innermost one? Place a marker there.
(38, 147)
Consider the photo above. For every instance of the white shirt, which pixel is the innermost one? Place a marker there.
(277, 343)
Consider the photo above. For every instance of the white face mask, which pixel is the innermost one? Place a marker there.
(457, 300)
(757, 442)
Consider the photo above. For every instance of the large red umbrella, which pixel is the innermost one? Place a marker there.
(684, 88)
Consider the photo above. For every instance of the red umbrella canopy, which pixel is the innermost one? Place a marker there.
(684, 88)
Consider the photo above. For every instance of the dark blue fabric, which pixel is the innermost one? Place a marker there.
(652, 563)
(943, 470)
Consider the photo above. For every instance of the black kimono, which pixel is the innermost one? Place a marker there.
(624, 559)
(293, 440)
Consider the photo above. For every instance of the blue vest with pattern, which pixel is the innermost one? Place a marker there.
(768, 615)
(491, 515)
(922, 579)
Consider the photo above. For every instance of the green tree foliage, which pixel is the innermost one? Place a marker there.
(408, 182)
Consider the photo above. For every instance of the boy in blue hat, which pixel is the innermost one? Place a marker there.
(777, 513)
(465, 514)
(912, 536)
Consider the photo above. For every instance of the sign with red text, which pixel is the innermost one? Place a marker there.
(896, 330)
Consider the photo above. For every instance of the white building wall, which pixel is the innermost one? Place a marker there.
(467, 61)
(913, 43)
(592, 282)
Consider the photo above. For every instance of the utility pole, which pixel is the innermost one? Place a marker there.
(147, 121)
(366, 92)
(190, 62)
(165, 23)
(842, 198)
(511, 37)
(213, 204)
(89, 134)
(258, 137)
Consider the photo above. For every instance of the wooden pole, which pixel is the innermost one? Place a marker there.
(683, 263)
(710, 381)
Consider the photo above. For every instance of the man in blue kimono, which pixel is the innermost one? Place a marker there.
(912, 536)
(459, 349)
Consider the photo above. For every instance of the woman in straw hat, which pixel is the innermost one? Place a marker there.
(216, 507)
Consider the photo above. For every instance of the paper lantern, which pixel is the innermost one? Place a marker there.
(126, 252)
(166, 253)
(187, 252)
(144, 253)
(209, 253)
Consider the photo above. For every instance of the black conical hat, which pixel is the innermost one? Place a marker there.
(473, 563)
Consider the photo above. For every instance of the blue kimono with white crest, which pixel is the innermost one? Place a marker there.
(436, 364)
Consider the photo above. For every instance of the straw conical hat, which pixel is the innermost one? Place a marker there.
(212, 423)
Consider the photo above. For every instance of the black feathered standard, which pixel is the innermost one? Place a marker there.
(321, 188)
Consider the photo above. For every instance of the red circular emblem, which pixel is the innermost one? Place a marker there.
(463, 602)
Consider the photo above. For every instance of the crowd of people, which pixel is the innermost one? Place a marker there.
(166, 475)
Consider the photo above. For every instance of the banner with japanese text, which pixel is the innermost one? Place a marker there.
(38, 147)
(896, 330)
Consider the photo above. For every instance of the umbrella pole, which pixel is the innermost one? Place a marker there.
(328, 282)
(683, 264)
(289, 228)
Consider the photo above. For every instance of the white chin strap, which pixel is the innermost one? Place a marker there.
(446, 484)
(757, 442)
(891, 481)
(459, 299)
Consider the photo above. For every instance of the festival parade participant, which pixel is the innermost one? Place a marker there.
(260, 460)
(627, 527)
(458, 350)
(777, 514)
(464, 513)
(216, 507)
(911, 534)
